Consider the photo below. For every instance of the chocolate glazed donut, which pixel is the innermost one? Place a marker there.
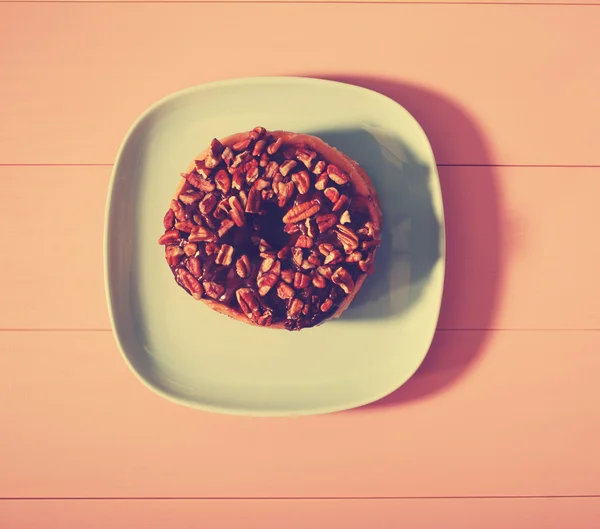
(275, 229)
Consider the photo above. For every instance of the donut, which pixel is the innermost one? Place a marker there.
(273, 228)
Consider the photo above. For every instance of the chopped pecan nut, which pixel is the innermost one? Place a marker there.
(304, 241)
(202, 234)
(173, 255)
(267, 264)
(248, 302)
(325, 271)
(341, 203)
(274, 147)
(334, 257)
(213, 290)
(326, 305)
(287, 276)
(332, 194)
(271, 170)
(190, 283)
(214, 153)
(319, 281)
(237, 212)
(186, 226)
(311, 227)
(257, 133)
(259, 147)
(241, 145)
(326, 222)
(207, 204)
(291, 228)
(287, 166)
(254, 201)
(284, 253)
(345, 218)
(265, 283)
(320, 166)
(169, 219)
(178, 210)
(297, 256)
(354, 257)
(285, 291)
(368, 230)
(264, 159)
(262, 184)
(225, 255)
(190, 197)
(306, 157)
(266, 319)
(302, 211)
(301, 280)
(267, 194)
(307, 265)
(169, 237)
(366, 245)
(211, 248)
(322, 182)
(343, 279)
(223, 181)
(337, 175)
(190, 249)
(194, 266)
(242, 266)
(226, 225)
(296, 307)
(347, 237)
(252, 174)
(284, 193)
(326, 248)
(227, 156)
(302, 181)
(367, 264)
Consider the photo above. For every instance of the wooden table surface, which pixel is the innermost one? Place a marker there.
(500, 428)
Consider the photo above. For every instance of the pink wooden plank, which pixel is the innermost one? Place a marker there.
(520, 248)
(575, 513)
(496, 413)
(81, 74)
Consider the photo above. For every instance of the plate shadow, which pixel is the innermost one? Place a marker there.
(470, 294)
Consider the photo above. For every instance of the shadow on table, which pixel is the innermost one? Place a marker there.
(455, 138)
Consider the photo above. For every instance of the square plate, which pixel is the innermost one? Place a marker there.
(187, 353)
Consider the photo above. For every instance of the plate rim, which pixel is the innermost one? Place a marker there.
(262, 412)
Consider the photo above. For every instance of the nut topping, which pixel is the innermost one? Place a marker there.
(345, 218)
(207, 204)
(341, 203)
(248, 303)
(306, 157)
(254, 201)
(301, 280)
(213, 290)
(274, 147)
(223, 181)
(169, 219)
(302, 211)
(237, 213)
(190, 283)
(343, 278)
(320, 167)
(319, 281)
(347, 237)
(285, 291)
(337, 175)
(178, 210)
(297, 256)
(225, 255)
(302, 181)
(287, 166)
(193, 265)
(287, 276)
(334, 257)
(284, 193)
(241, 145)
(296, 307)
(304, 242)
(169, 237)
(190, 249)
(326, 305)
(266, 282)
(187, 226)
(322, 182)
(332, 194)
(242, 266)
(202, 234)
(190, 197)
(271, 170)
(173, 255)
(214, 152)
(259, 147)
(326, 222)
(226, 225)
